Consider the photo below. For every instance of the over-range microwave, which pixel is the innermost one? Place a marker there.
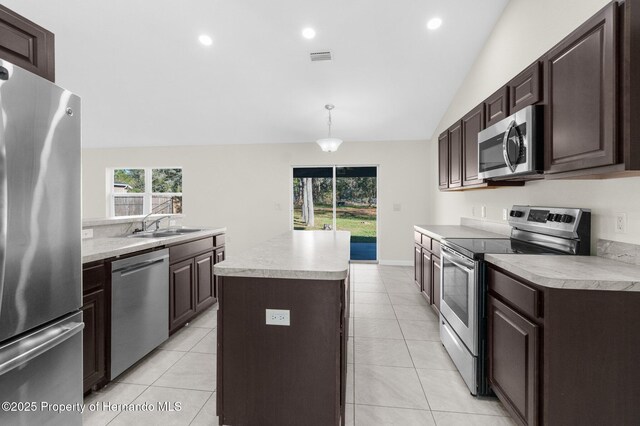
(513, 146)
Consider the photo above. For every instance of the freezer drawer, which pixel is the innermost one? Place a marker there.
(43, 367)
(139, 308)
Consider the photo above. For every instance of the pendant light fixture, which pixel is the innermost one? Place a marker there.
(329, 144)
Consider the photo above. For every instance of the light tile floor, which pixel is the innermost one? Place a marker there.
(398, 372)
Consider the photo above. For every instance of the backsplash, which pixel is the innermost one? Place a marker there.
(622, 252)
(487, 225)
(118, 227)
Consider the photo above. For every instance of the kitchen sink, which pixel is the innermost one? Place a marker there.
(163, 233)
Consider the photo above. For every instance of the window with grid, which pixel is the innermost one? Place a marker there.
(140, 191)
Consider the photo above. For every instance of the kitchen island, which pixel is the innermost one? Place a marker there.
(282, 331)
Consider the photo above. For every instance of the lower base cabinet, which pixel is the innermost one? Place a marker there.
(426, 267)
(192, 285)
(94, 335)
(294, 375)
(435, 278)
(513, 353)
(427, 276)
(182, 298)
(562, 356)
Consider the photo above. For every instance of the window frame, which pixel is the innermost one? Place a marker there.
(147, 196)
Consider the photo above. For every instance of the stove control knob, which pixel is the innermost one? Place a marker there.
(567, 218)
(557, 218)
(550, 217)
(515, 213)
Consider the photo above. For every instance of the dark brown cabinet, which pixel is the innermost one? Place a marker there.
(427, 283)
(581, 76)
(417, 266)
(525, 89)
(219, 257)
(26, 44)
(426, 267)
(554, 352)
(192, 285)
(204, 279)
(455, 155)
(443, 160)
(513, 350)
(472, 124)
(263, 371)
(497, 106)
(182, 290)
(94, 314)
(435, 280)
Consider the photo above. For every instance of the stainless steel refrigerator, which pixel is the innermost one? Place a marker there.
(40, 250)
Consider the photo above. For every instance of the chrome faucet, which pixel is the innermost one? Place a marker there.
(155, 222)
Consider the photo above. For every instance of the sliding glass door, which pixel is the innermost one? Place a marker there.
(341, 198)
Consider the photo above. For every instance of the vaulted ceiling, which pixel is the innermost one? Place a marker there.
(145, 80)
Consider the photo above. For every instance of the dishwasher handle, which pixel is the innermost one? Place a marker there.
(126, 270)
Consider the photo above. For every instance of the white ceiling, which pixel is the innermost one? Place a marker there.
(146, 81)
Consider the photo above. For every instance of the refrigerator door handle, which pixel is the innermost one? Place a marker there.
(35, 345)
(4, 201)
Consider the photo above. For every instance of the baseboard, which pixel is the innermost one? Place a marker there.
(396, 262)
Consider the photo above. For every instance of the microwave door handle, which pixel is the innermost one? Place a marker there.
(505, 141)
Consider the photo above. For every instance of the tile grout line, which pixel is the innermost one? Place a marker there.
(136, 397)
(202, 408)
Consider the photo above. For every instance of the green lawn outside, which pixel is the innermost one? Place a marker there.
(360, 220)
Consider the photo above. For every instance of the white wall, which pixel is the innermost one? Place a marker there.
(525, 31)
(247, 187)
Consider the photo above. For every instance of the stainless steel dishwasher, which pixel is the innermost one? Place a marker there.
(139, 308)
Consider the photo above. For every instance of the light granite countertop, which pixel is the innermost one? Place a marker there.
(312, 255)
(570, 272)
(440, 232)
(101, 248)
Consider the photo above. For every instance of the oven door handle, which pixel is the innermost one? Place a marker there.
(457, 259)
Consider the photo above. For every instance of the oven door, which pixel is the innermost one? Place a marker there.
(459, 286)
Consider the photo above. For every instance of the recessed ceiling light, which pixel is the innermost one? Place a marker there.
(308, 33)
(434, 23)
(205, 40)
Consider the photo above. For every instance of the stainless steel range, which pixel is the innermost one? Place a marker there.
(534, 230)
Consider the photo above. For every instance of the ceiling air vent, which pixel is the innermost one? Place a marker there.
(320, 56)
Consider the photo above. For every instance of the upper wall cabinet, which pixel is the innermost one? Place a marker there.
(526, 88)
(443, 160)
(455, 155)
(497, 106)
(581, 76)
(26, 44)
(472, 124)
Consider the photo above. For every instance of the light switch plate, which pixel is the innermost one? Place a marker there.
(483, 211)
(278, 317)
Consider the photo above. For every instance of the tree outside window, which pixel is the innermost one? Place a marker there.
(140, 191)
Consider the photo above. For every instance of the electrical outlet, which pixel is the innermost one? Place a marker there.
(397, 207)
(621, 223)
(504, 214)
(172, 222)
(483, 211)
(87, 233)
(473, 211)
(278, 317)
